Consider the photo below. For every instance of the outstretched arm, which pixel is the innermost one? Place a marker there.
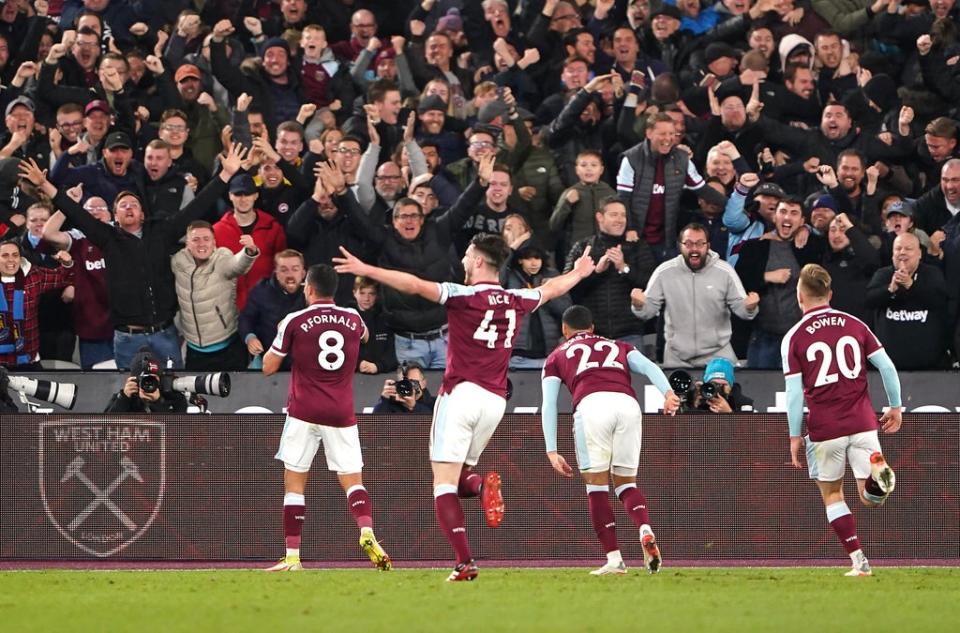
(550, 385)
(404, 282)
(559, 286)
(893, 418)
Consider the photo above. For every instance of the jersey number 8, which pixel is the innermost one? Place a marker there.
(331, 356)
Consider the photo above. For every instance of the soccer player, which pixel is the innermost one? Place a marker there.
(606, 427)
(324, 341)
(823, 359)
(483, 318)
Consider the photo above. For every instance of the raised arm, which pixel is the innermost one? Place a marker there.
(52, 233)
(401, 281)
(561, 285)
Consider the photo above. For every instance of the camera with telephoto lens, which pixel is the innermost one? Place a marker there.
(404, 386)
(62, 394)
(693, 396)
(151, 378)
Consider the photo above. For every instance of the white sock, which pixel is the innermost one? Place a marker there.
(645, 529)
(293, 553)
(856, 556)
(614, 557)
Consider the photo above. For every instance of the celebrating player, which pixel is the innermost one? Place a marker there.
(823, 358)
(324, 340)
(606, 427)
(483, 318)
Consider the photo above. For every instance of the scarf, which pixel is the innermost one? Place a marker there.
(11, 321)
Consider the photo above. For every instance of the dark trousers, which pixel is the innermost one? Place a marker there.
(233, 357)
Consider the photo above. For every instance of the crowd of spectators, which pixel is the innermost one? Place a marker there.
(169, 170)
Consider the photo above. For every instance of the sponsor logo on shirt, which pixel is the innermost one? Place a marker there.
(907, 315)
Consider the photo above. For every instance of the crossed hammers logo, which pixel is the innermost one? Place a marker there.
(102, 496)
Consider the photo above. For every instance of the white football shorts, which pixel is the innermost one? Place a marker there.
(606, 433)
(463, 423)
(301, 440)
(827, 460)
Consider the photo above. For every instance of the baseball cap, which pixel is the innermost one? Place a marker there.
(97, 104)
(187, 70)
(491, 110)
(903, 207)
(243, 183)
(20, 101)
(668, 10)
(770, 189)
(117, 139)
(432, 102)
(825, 201)
(716, 50)
(718, 368)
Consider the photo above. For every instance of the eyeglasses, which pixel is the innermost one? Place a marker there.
(697, 244)
(481, 144)
(364, 26)
(403, 217)
(173, 128)
(88, 44)
(70, 125)
(97, 207)
(569, 16)
(388, 177)
(348, 151)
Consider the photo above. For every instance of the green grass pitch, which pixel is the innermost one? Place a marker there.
(781, 600)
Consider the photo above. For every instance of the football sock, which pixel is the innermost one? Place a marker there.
(634, 503)
(360, 506)
(451, 521)
(470, 483)
(844, 525)
(601, 515)
(294, 511)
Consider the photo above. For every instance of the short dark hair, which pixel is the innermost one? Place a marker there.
(323, 279)
(941, 127)
(852, 152)
(290, 126)
(378, 89)
(578, 317)
(790, 72)
(406, 202)
(493, 247)
(693, 226)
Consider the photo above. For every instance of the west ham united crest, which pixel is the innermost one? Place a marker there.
(102, 483)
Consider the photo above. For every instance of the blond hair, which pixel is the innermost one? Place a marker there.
(814, 281)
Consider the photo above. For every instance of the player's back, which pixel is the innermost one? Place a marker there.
(588, 363)
(829, 350)
(483, 320)
(324, 343)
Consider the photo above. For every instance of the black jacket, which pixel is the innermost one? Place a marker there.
(380, 348)
(607, 294)
(911, 323)
(174, 402)
(139, 276)
(932, 212)
(427, 256)
(544, 324)
(266, 306)
(850, 271)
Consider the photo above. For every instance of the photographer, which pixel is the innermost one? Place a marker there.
(141, 392)
(407, 394)
(717, 392)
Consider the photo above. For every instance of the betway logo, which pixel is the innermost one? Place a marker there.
(907, 315)
(100, 264)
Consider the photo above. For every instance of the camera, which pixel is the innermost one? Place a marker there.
(693, 396)
(404, 386)
(62, 394)
(151, 378)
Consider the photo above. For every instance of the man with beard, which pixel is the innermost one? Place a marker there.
(271, 300)
(770, 266)
(910, 303)
(432, 115)
(938, 205)
(699, 291)
(115, 172)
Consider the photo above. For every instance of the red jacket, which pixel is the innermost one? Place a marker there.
(269, 237)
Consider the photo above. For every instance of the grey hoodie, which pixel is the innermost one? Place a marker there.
(698, 306)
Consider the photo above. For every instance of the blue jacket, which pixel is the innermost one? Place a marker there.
(267, 304)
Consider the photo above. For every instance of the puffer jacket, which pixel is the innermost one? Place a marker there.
(207, 294)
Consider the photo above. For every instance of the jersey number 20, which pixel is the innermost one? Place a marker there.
(487, 331)
(827, 354)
